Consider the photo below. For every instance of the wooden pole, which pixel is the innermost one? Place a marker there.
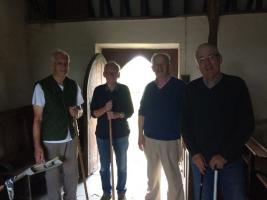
(111, 158)
(81, 160)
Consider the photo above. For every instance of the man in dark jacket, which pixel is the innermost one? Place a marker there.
(217, 120)
(112, 101)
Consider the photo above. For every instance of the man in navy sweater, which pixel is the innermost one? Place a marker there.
(159, 135)
(217, 120)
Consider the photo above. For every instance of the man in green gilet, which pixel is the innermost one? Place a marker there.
(56, 105)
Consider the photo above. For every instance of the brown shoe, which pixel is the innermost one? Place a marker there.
(106, 196)
(121, 196)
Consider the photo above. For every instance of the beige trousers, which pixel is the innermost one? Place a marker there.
(65, 176)
(166, 154)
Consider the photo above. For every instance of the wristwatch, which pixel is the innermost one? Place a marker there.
(121, 115)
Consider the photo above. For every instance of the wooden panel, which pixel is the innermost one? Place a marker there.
(16, 136)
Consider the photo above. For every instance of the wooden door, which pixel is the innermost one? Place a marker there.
(93, 78)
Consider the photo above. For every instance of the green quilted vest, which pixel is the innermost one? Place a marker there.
(56, 118)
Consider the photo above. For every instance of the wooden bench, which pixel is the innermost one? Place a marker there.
(256, 158)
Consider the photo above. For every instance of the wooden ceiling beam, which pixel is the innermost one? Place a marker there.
(144, 8)
(125, 8)
(213, 17)
(165, 7)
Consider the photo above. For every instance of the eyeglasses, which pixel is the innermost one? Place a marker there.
(211, 57)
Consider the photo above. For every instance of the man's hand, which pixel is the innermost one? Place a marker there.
(108, 106)
(75, 111)
(199, 161)
(110, 115)
(1, 187)
(217, 162)
(115, 115)
(39, 155)
(141, 142)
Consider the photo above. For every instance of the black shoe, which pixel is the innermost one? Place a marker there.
(106, 196)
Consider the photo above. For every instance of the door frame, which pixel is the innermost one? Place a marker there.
(100, 46)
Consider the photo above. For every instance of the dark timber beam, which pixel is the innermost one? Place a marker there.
(166, 7)
(249, 4)
(144, 8)
(230, 5)
(258, 6)
(105, 4)
(125, 8)
(91, 9)
(205, 6)
(213, 17)
(186, 7)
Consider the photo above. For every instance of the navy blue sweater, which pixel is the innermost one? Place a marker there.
(122, 102)
(218, 120)
(161, 109)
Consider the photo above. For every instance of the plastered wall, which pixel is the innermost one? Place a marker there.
(241, 39)
(25, 48)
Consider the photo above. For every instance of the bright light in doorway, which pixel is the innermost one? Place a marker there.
(136, 74)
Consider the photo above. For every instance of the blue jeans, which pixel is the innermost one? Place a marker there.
(120, 146)
(231, 182)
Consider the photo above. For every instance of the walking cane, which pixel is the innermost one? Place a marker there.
(111, 158)
(81, 158)
(201, 186)
(215, 184)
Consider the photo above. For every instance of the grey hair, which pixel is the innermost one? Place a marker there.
(164, 55)
(113, 63)
(207, 45)
(59, 51)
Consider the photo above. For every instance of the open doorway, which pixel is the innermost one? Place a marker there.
(136, 73)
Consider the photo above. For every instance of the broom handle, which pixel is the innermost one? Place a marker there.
(111, 158)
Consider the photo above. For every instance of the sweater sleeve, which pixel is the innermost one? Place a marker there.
(186, 125)
(93, 104)
(244, 126)
(129, 105)
(142, 108)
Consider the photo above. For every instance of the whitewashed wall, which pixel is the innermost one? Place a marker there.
(242, 41)
(25, 49)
